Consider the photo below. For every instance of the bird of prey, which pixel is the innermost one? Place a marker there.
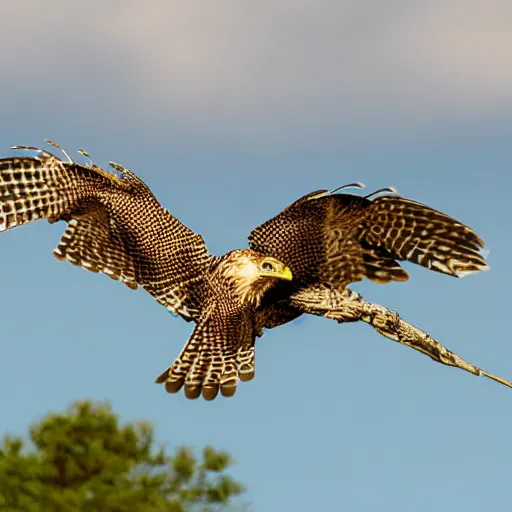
(300, 261)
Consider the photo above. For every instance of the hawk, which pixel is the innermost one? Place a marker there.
(300, 261)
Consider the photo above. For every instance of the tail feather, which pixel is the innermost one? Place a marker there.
(245, 361)
(174, 377)
(209, 363)
(411, 231)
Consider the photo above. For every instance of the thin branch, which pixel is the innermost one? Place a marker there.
(389, 324)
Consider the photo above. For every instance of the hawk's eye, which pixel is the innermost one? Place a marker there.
(267, 267)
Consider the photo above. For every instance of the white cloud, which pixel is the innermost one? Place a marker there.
(258, 66)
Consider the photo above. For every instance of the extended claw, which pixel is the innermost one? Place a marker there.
(357, 184)
(88, 159)
(56, 146)
(391, 190)
(119, 168)
(33, 148)
(324, 193)
(28, 148)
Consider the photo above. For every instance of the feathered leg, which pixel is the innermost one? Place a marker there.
(388, 323)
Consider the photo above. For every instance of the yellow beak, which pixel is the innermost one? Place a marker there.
(286, 274)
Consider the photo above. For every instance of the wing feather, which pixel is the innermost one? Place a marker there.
(412, 231)
(115, 226)
(337, 239)
(316, 238)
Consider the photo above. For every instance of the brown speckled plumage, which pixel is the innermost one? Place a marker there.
(116, 226)
(338, 239)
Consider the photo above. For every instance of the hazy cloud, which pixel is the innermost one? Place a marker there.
(261, 66)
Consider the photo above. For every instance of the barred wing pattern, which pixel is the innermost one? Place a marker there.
(89, 242)
(412, 231)
(337, 239)
(219, 352)
(115, 226)
(36, 188)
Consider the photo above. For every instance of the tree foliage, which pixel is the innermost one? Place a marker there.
(85, 460)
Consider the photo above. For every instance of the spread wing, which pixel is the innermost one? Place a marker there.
(337, 239)
(115, 226)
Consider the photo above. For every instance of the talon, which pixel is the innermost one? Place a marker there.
(357, 184)
(119, 168)
(29, 148)
(33, 148)
(57, 146)
(88, 159)
(391, 190)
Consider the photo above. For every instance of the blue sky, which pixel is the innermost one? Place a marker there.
(229, 112)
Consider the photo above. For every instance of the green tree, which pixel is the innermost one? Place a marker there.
(85, 460)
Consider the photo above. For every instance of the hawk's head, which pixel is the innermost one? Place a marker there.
(252, 274)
